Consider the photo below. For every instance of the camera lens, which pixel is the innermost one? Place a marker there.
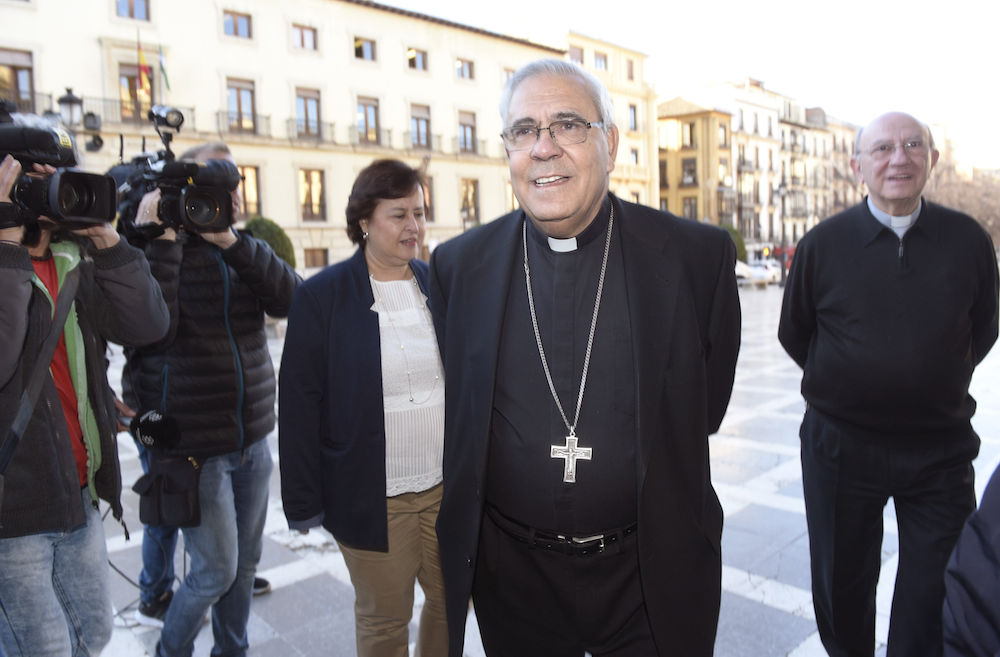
(201, 209)
(74, 197)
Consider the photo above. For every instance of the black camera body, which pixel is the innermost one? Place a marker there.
(194, 196)
(69, 197)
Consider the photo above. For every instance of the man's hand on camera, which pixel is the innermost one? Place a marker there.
(102, 235)
(223, 239)
(10, 171)
(148, 213)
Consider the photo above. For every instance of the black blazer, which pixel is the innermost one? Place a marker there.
(685, 317)
(331, 423)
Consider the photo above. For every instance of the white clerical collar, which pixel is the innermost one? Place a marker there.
(562, 245)
(898, 225)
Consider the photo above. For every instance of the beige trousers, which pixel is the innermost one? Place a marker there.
(383, 582)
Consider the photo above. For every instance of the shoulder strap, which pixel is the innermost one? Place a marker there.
(30, 395)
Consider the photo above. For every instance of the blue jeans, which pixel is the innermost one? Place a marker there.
(224, 549)
(158, 545)
(55, 598)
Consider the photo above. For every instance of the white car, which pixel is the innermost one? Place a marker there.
(747, 275)
(767, 270)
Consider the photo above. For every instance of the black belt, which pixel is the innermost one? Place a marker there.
(580, 546)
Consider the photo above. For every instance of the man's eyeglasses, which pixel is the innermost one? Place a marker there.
(563, 133)
(912, 148)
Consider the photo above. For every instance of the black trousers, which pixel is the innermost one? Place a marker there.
(534, 603)
(847, 480)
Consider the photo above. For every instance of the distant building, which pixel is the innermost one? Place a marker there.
(695, 162)
(306, 93)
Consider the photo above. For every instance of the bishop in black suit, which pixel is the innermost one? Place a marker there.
(578, 509)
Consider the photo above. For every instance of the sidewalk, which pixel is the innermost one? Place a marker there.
(766, 604)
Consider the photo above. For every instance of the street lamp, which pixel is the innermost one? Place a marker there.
(783, 192)
(71, 109)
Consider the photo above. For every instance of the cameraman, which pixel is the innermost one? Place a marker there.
(54, 590)
(212, 376)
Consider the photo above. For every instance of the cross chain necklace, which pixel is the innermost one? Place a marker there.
(570, 452)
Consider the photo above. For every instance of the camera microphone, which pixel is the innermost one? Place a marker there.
(155, 430)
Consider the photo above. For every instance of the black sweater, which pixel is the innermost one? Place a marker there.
(888, 331)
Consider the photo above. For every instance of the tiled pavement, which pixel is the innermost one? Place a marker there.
(766, 606)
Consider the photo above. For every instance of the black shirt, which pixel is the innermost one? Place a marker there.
(523, 480)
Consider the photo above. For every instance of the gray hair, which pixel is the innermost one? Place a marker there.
(558, 67)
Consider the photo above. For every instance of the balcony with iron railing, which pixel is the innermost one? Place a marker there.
(244, 124)
(36, 104)
(370, 138)
(413, 141)
(310, 131)
(469, 146)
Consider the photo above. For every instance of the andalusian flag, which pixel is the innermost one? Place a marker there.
(163, 70)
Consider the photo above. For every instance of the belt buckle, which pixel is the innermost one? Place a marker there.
(583, 541)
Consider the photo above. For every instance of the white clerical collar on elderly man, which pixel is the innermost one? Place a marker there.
(898, 225)
(565, 245)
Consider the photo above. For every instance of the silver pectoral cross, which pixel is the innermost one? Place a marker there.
(571, 453)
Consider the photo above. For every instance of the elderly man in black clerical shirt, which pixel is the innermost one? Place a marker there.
(589, 348)
(889, 307)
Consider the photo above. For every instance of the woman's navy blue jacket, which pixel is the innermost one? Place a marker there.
(331, 425)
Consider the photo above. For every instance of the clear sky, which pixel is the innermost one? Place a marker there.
(854, 58)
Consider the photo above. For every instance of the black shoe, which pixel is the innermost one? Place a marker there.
(261, 586)
(152, 614)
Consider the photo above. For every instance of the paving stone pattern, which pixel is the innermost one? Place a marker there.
(766, 604)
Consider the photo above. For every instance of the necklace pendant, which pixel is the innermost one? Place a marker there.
(571, 452)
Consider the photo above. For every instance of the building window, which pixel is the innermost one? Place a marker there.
(236, 24)
(508, 73)
(723, 168)
(630, 69)
(663, 175)
(303, 37)
(600, 61)
(689, 167)
(420, 126)
(364, 49)
(469, 202)
(241, 105)
(316, 258)
(464, 69)
(307, 112)
(690, 207)
(576, 55)
(635, 198)
(687, 135)
(723, 138)
(633, 157)
(416, 59)
(664, 205)
(250, 190)
(466, 132)
(368, 130)
(633, 118)
(134, 97)
(137, 9)
(16, 79)
(311, 195)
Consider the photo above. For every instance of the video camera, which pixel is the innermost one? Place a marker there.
(194, 196)
(69, 197)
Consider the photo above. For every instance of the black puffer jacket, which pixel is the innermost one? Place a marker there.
(212, 373)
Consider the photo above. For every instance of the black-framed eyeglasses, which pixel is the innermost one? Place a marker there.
(563, 133)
